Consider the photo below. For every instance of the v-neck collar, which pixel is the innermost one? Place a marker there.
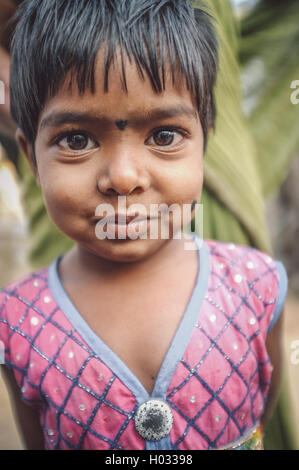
(110, 358)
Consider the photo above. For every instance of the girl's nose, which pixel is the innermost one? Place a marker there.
(123, 175)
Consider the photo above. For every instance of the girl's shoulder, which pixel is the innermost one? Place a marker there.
(246, 258)
(251, 276)
(22, 304)
(240, 254)
(25, 291)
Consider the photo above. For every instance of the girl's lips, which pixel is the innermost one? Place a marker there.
(131, 230)
(124, 228)
(120, 219)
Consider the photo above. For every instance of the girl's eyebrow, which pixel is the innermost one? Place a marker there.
(56, 119)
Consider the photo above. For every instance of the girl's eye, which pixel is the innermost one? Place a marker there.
(165, 138)
(76, 142)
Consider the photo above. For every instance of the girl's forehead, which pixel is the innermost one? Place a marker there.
(122, 100)
(124, 76)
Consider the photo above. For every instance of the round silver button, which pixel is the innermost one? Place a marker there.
(153, 420)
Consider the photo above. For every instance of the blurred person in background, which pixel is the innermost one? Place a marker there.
(7, 126)
(235, 188)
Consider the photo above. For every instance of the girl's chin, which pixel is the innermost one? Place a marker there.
(123, 250)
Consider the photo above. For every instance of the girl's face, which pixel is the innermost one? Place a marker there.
(92, 148)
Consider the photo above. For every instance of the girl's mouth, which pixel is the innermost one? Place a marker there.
(123, 227)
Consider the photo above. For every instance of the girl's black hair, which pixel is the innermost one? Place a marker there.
(55, 38)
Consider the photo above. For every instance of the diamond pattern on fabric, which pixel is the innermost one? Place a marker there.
(59, 373)
(233, 369)
(217, 393)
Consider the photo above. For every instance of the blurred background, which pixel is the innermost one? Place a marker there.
(263, 38)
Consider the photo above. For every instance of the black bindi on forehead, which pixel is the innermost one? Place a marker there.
(121, 124)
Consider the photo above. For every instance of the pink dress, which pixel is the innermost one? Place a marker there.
(211, 389)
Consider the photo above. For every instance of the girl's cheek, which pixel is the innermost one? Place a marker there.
(65, 198)
(61, 183)
(184, 183)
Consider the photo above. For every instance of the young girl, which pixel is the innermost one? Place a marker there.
(131, 341)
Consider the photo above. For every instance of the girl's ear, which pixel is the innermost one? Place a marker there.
(26, 147)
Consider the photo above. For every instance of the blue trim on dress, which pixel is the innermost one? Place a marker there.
(283, 289)
(113, 361)
(162, 444)
(182, 336)
(104, 353)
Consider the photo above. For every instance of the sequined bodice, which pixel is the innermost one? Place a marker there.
(212, 386)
